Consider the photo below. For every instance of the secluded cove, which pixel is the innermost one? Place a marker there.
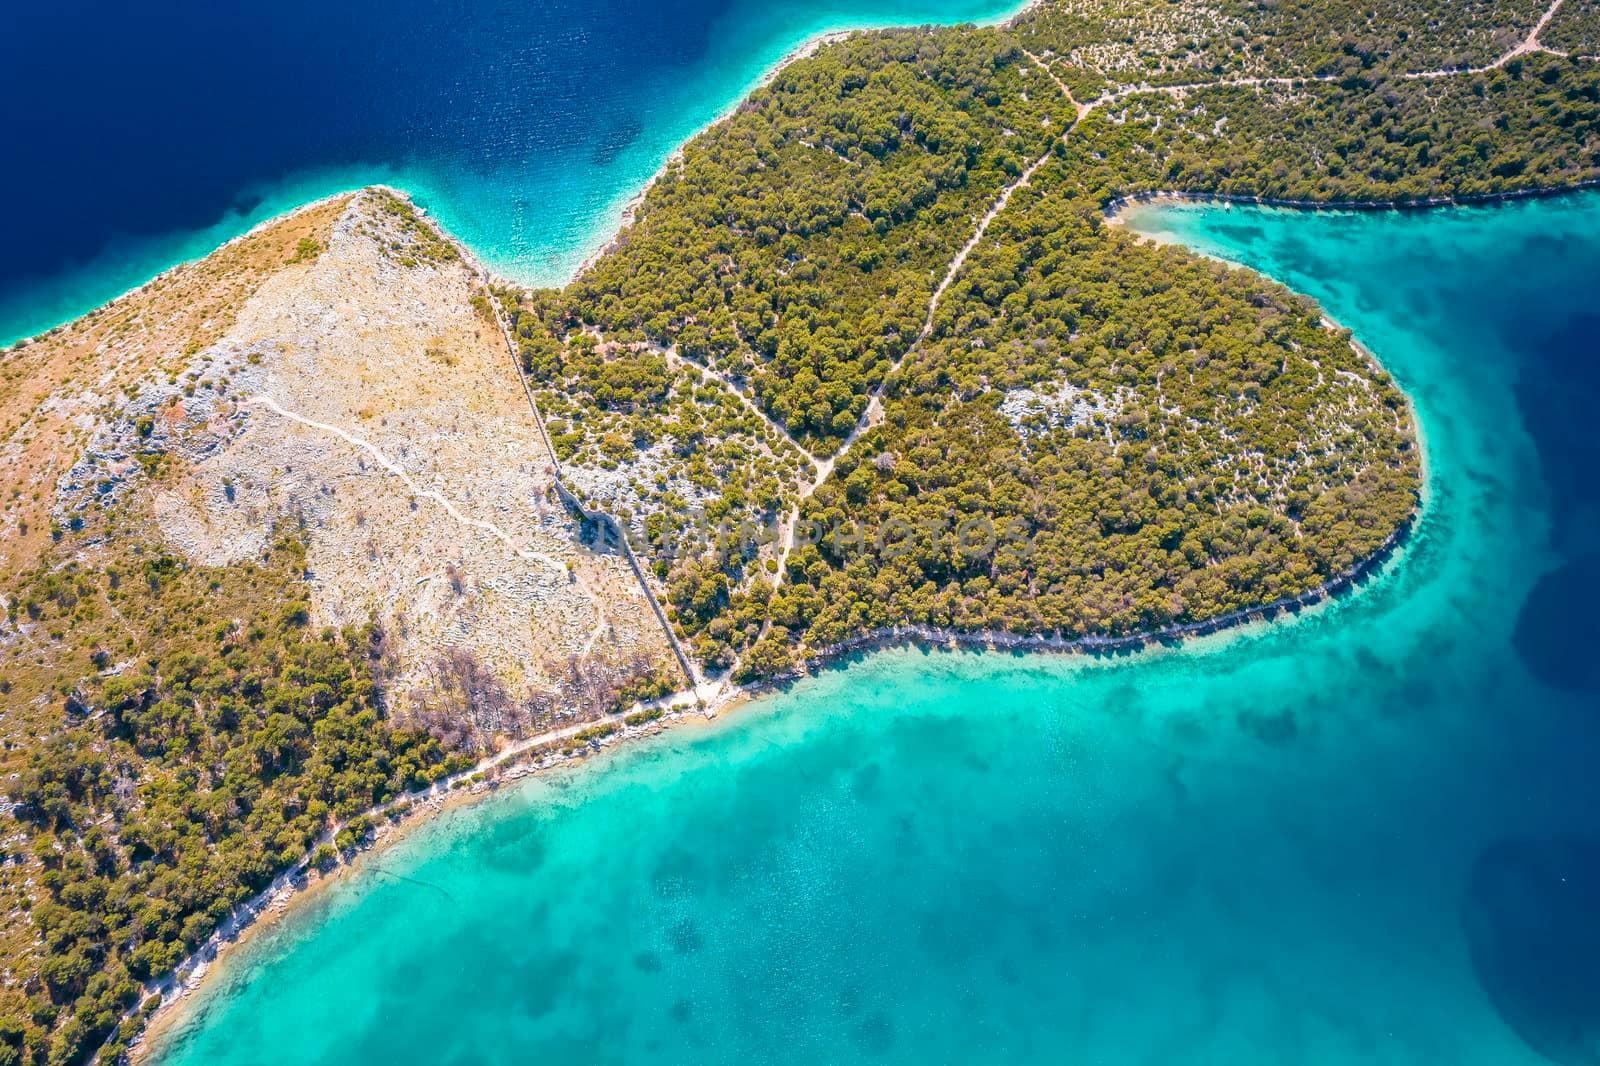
(524, 127)
(1364, 834)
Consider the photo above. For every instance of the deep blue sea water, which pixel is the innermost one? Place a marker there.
(140, 135)
(1370, 834)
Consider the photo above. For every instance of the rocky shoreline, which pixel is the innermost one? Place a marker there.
(176, 269)
(297, 885)
(1114, 210)
(1096, 645)
(399, 816)
(803, 50)
(630, 209)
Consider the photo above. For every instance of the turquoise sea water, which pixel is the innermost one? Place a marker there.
(1365, 835)
(523, 125)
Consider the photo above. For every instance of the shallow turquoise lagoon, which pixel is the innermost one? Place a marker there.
(1364, 835)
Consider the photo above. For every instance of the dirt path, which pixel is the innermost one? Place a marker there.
(685, 662)
(1528, 45)
(394, 469)
(872, 415)
(748, 401)
(1531, 42)
(1081, 109)
(874, 411)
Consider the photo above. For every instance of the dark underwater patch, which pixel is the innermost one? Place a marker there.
(874, 1036)
(1555, 631)
(1558, 396)
(864, 783)
(685, 937)
(616, 139)
(1532, 919)
(678, 872)
(1276, 729)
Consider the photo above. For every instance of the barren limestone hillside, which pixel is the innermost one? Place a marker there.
(280, 543)
(54, 390)
(339, 374)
